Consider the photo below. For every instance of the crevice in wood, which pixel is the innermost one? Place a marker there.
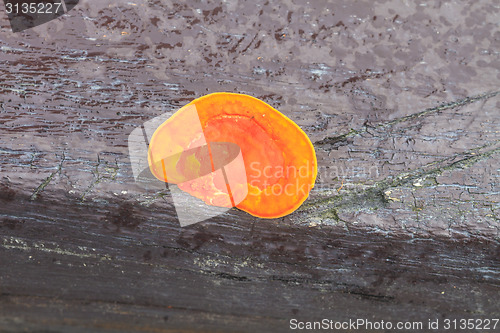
(109, 173)
(375, 196)
(47, 180)
(334, 142)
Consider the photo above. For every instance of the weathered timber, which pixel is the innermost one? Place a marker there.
(401, 101)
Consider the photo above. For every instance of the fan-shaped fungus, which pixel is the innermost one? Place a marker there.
(279, 163)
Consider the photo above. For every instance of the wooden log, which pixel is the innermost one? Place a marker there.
(400, 100)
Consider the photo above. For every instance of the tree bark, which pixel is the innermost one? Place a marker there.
(401, 103)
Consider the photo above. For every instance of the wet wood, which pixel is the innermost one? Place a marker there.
(401, 102)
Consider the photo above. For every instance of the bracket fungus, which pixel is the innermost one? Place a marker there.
(234, 150)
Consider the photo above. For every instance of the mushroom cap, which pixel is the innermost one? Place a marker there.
(235, 150)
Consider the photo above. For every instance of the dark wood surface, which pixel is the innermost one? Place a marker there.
(400, 100)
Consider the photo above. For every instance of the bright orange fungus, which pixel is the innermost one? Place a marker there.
(280, 164)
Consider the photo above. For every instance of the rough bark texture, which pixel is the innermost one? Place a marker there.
(400, 99)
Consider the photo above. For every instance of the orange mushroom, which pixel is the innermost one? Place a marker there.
(278, 167)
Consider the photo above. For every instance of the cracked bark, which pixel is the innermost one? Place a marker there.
(47, 180)
(109, 174)
(404, 218)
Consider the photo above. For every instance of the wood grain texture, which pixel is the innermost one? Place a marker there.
(400, 100)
